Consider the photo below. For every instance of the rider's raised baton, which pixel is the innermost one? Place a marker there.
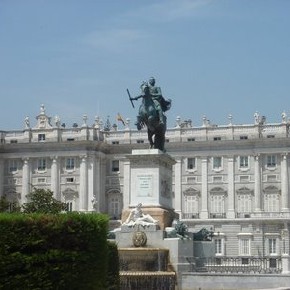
(130, 98)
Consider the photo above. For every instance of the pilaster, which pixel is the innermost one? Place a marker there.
(257, 184)
(284, 183)
(83, 184)
(204, 188)
(231, 189)
(55, 177)
(26, 179)
(178, 185)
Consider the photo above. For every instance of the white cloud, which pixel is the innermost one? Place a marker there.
(170, 10)
(114, 39)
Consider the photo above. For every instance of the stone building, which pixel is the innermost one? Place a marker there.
(233, 179)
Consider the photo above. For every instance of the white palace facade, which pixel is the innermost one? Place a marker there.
(233, 179)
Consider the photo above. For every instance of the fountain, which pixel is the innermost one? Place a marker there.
(148, 258)
(145, 268)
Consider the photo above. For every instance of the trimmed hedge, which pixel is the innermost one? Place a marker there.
(65, 251)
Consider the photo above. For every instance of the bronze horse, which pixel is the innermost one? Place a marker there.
(149, 117)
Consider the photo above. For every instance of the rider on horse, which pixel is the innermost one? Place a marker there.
(161, 105)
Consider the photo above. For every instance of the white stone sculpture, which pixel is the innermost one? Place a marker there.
(137, 217)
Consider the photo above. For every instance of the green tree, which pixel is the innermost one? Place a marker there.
(4, 204)
(7, 206)
(42, 201)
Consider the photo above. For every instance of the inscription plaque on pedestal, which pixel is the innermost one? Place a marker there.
(144, 185)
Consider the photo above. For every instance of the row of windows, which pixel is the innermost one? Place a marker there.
(70, 164)
(244, 162)
(114, 206)
(14, 164)
(219, 138)
(245, 246)
(217, 203)
(192, 139)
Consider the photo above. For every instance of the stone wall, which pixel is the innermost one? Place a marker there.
(202, 281)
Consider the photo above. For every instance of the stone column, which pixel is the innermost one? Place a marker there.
(93, 200)
(26, 176)
(204, 188)
(257, 184)
(127, 183)
(231, 189)
(284, 183)
(1, 177)
(55, 177)
(178, 186)
(83, 192)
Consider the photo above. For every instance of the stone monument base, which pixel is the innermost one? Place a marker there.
(164, 216)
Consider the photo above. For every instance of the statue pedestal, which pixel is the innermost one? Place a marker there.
(148, 180)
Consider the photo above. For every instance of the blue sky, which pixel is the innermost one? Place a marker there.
(78, 57)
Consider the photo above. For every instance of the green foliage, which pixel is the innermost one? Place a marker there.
(113, 279)
(6, 206)
(42, 201)
(65, 251)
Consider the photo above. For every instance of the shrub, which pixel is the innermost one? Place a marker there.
(65, 251)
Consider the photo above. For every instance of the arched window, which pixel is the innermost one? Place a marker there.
(218, 203)
(244, 202)
(70, 196)
(190, 205)
(115, 203)
(272, 199)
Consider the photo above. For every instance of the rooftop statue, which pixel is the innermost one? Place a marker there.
(151, 113)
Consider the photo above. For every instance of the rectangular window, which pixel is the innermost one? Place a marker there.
(244, 161)
(140, 141)
(191, 204)
(218, 246)
(13, 141)
(244, 244)
(115, 166)
(115, 207)
(191, 179)
(217, 204)
(69, 206)
(69, 180)
(217, 179)
(217, 138)
(243, 137)
(244, 203)
(190, 163)
(272, 246)
(115, 142)
(41, 180)
(190, 139)
(41, 165)
(217, 162)
(271, 160)
(13, 165)
(244, 178)
(271, 177)
(70, 164)
(41, 137)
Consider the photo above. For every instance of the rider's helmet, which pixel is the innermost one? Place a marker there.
(152, 81)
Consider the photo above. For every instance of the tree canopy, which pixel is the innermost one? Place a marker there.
(42, 201)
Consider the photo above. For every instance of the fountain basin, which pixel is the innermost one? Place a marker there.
(147, 280)
(143, 259)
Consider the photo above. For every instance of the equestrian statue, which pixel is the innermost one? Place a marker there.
(151, 113)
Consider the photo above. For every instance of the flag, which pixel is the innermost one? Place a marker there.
(120, 118)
